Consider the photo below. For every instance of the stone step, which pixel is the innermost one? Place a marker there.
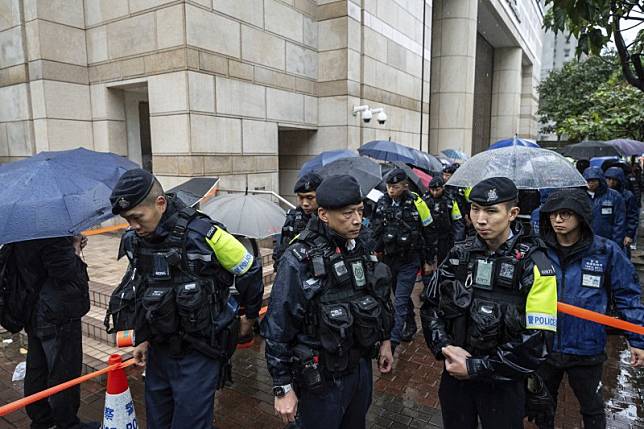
(92, 326)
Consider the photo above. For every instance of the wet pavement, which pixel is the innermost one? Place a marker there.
(406, 398)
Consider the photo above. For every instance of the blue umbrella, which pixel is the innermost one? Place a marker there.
(426, 161)
(325, 158)
(514, 141)
(627, 146)
(386, 150)
(455, 154)
(55, 194)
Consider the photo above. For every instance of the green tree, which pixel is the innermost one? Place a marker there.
(595, 22)
(616, 111)
(565, 93)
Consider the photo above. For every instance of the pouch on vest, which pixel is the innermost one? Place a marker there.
(390, 235)
(454, 298)
(483, 274)
(160, 310)
(485, 324)
(366, 321)
(122, 305)
(193, 306)
(339, 270)
(513, 321)
(505, 272)
(336, 336)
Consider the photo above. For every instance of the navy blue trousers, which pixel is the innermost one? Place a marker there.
(343, 405)
(180, 392)
(404, 276)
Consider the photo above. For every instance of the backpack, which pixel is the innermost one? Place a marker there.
(15, 297)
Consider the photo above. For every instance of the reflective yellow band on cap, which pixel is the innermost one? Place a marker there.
(231, 254)
(423, 210)
(541, 305)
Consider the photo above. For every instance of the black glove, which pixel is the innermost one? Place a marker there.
(539, 404)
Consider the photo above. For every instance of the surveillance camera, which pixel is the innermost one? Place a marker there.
(366, 116)
(382, 116)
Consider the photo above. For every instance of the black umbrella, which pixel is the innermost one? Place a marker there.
(413, 177)
(192, 191)
(366, 171)
(590, 149)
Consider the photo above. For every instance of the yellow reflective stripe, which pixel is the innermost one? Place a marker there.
(466, 193)
(423, 210)
(456, 212)
(231, 254)
(293, 239)
(541, 305)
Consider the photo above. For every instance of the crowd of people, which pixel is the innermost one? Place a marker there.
(346, 267)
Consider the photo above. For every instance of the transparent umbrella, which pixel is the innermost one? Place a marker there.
(529, 168)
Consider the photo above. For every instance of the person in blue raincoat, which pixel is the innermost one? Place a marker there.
(616, 180)
(591, 271)
(609, 210)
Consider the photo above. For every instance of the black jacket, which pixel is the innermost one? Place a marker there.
(59, 278)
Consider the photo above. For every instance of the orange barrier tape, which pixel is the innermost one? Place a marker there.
(602, 319)
(105, 229)
(14, 406)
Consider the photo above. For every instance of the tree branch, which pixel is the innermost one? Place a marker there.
(636, 81)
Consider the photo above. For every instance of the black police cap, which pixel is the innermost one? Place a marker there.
(339, 191)
(437, 182)
(396, 175)
(307, 183)
(131, 189)
(493, 191)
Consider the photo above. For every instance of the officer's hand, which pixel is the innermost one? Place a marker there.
(79, 242)
(455, 361)
(637, 357)
(385, 357)
(286, 407)
(246, 328)
(140, 353)
(627, 241)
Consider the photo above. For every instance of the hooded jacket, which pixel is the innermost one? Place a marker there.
(609, 210)
(632, 208)
(588, 273)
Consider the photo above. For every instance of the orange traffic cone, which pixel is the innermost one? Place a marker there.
(119, 407)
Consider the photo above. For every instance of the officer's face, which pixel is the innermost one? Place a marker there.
(395, 190)
(144, 219)
(492, 221)
(307, 201)
(564, 221)
(436, 192)
(593, 185)
(612, 183)
(446, 176)
(346, 222)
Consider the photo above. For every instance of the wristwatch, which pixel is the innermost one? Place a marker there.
(280, 391)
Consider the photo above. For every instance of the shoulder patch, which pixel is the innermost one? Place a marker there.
(300, 252)
(211, 232)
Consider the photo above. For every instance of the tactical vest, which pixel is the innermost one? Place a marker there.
(441, 211)
(401, 230)
(349, 311)
(486, 306)
(175, 302)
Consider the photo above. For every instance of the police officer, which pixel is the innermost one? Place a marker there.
(492, 314)
(609, 210)
(447, 226)
(297, 218)
(590, 270)
(458, 195)
(400, 227)
(186, 325)
(329, 313)
(616, 180)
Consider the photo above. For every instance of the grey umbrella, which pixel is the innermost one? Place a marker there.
(529, 168)
(247, 215)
